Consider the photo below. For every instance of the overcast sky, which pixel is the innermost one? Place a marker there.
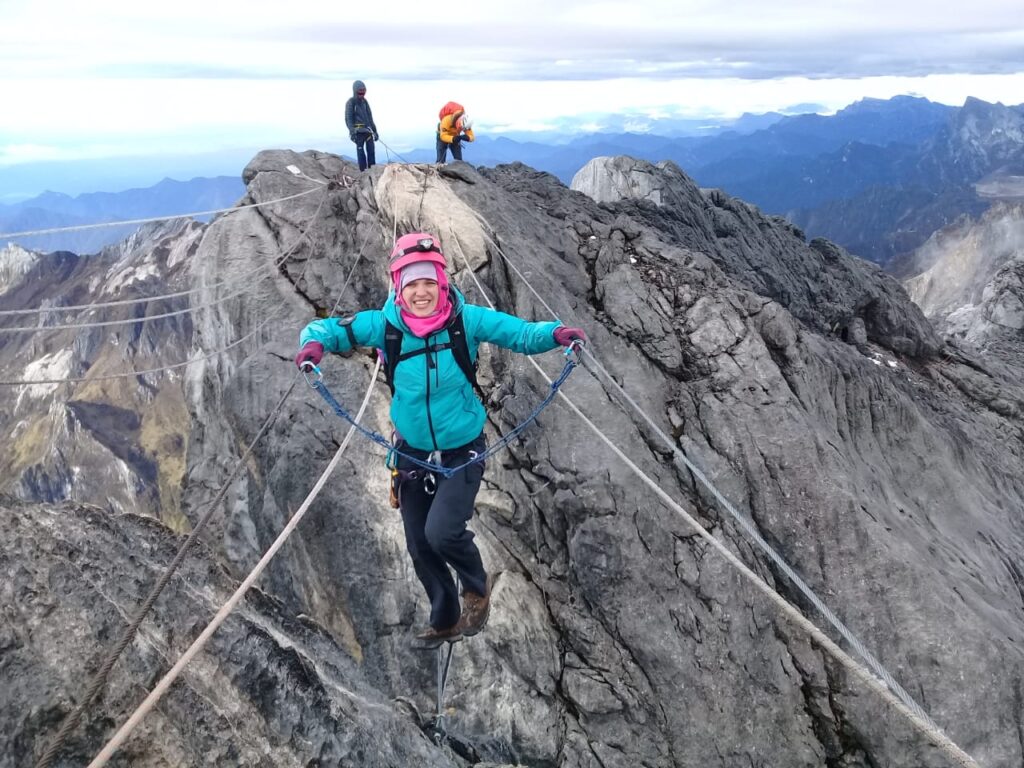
(99, 78)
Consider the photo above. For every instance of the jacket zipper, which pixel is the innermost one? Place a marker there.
(430, 421)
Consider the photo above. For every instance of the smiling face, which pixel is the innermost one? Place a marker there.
(421, 296)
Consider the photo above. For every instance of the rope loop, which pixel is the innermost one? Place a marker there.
(318, 384)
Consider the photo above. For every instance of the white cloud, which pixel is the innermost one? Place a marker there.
(127, 78)
(506, 40)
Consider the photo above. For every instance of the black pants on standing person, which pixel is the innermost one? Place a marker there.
(442, 149)
(435, 529)
(365, 150)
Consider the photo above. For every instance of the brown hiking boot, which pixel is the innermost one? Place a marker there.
(475, 610)
(431, 638)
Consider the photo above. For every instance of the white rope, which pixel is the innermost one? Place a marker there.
(748, 527)
(232, 345)
(913, 713)
(161, 688)
(128, 374)
(249, 288)
(100, 225)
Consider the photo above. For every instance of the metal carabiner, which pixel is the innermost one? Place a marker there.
(574, 348)
(306, 367)
(429, 478)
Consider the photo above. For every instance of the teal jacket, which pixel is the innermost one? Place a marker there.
(434, 406)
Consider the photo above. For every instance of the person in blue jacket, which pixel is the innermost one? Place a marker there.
(437, 417)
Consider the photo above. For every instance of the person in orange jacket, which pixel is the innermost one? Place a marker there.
(454, 128)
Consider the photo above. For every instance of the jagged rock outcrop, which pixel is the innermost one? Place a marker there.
(15, 262)
(971, 278)
(819, 283)
(608, 179)
(883, 465)
(981, 139)
(271, 690)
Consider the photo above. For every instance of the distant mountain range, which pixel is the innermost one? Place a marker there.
(167, 198)
(878, 177)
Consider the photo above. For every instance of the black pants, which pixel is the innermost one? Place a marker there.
(435, 529)
(366, 157)
(442, 150)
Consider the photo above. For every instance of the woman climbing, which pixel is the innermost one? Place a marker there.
(429, 335)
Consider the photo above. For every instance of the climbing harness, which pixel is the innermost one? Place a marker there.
(433, 464)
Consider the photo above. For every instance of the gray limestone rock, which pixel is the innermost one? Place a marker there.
(268, 689)
(881, 463)
(970, 283)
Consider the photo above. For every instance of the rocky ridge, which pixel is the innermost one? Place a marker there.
(882, 464)
(970, 283)
(116, 442)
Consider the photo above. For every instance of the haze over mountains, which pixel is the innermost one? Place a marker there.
(878, 177)
(166, 198)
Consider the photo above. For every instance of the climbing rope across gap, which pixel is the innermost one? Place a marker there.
(99, 680)
(243, 276)
(747, 525)
(194, 360)
(391, 151)
(249, 288)
(150, 220)
(911, 711)
(161, 688)
(444, 665)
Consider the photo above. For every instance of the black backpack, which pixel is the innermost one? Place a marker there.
(456, 343)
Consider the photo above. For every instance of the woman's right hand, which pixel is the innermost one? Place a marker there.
(566, 336)
(312, 352)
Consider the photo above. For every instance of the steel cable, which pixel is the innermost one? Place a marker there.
(151, 219)
(881, 682)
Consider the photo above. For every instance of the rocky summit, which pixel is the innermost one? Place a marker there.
(880, 461)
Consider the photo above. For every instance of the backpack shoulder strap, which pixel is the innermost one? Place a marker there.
(460, 351)
(457, 343)
(392, 352)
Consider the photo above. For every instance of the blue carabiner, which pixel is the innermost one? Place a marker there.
(306, 367)
(574, 347)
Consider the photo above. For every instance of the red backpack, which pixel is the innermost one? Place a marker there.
(450, 109)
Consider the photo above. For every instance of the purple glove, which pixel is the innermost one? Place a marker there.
(566, 336)
(312, 352)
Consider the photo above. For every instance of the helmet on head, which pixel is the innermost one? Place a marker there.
(416, 246)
